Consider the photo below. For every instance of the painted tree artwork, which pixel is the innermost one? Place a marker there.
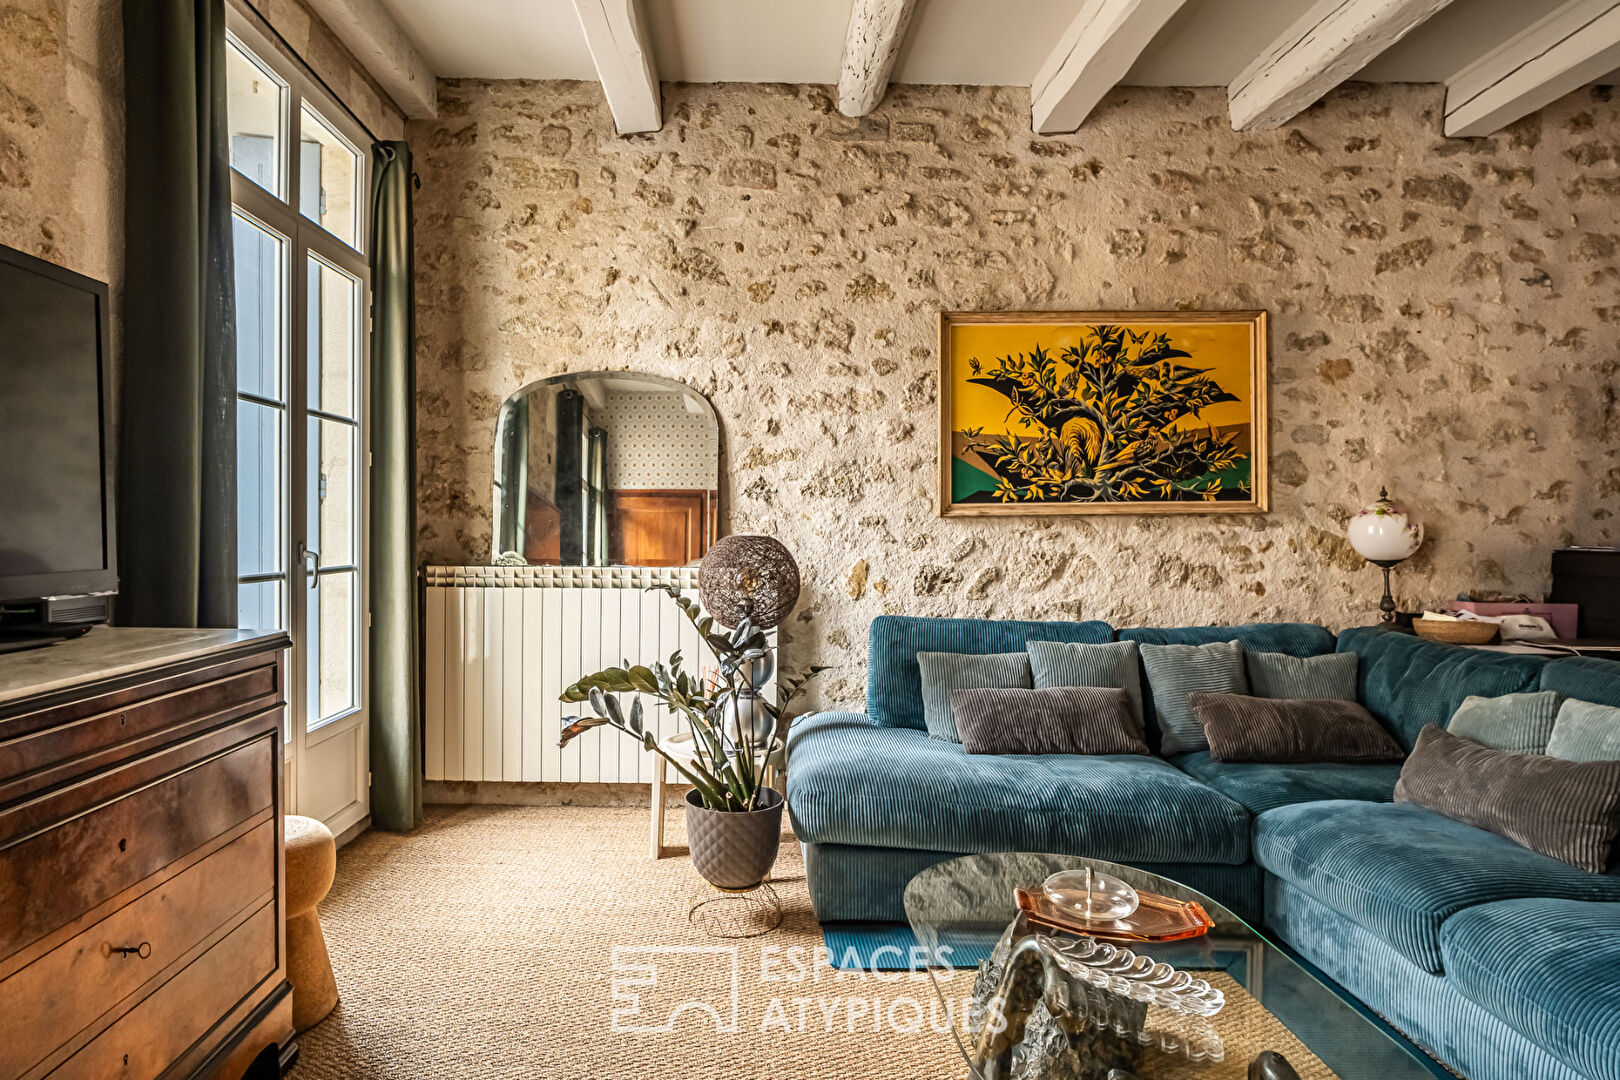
(1100, 413)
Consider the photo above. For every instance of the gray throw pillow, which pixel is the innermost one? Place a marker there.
(1177, 671)
(1278, 675)
(1567, 809)
(1277, 730)
(1585, 731)
(943, 672)
(1057, 720)
(1066, 663)
(1518, 723)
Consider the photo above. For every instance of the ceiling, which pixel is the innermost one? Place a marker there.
(1003, 42)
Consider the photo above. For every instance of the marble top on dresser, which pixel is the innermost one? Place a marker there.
(109, 651)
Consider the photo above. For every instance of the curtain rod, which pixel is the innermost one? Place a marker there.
(314, 77)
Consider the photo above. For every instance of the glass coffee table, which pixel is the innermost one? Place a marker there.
(1027, 1002)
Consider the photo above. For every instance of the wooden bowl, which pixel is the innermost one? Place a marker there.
(1465, 632)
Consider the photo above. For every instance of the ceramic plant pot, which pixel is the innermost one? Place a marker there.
(734, 849)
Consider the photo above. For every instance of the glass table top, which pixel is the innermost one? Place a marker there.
(1030, 1002)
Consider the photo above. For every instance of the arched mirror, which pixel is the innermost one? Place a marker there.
(606, 469)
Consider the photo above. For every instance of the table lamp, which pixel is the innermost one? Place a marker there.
(1384, 535)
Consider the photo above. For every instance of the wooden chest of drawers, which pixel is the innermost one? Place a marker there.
(142, 931)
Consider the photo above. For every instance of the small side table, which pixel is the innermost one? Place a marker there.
(681, 747)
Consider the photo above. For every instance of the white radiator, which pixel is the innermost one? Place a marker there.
(501, 643)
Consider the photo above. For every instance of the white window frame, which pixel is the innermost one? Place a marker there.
(303, 238)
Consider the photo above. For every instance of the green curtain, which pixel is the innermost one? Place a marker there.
(177, 411)
(396, 739)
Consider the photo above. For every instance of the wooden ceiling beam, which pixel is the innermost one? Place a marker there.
(622, 53)
(384, 50)
(1325, 46)
(1573, 45)
(877, 30)
(1091, 57)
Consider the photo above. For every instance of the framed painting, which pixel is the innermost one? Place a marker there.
(1102, 412)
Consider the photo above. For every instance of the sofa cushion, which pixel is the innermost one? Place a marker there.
(1262, 787)
(1550, 969)
(854, 782)
(1588, 678)
(1401, 871)
(1069, 663)
(893, 680)
(1057, 720)
(945, 672)
(1239, 727)
(1519, 723)
(1585, 731)
(1295, 639)
(1567, 809)
(1278, 675)
(1408, 682)
(1177, 672)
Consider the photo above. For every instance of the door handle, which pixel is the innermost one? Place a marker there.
(306, 555)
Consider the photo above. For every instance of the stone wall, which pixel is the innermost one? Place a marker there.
(1445, 319)
(62, 133)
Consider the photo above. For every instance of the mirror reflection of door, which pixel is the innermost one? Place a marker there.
(606, 469)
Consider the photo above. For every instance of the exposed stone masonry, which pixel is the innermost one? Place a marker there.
(1445, 319)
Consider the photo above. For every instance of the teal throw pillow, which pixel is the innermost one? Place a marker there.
(1111, 664)
(1517, 723)
(1175, 672)
(1585, 732)
(943, 672)
(1278, 675)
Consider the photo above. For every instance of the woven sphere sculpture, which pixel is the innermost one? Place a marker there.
(750, 577)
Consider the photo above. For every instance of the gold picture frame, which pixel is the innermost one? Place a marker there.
(1102, 412)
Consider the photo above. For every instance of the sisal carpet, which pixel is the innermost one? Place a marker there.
(482, 946)
(516, 942)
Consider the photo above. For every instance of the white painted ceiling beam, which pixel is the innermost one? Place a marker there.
(877, 30)
(1324, 47)
(384, 50)
(622, 52)
(1573, 45)
(1091, 57)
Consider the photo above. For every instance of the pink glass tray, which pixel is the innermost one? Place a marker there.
(1157, 918)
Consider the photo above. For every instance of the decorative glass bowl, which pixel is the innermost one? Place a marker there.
(1090, 896)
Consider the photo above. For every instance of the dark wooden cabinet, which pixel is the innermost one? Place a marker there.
(142, 923)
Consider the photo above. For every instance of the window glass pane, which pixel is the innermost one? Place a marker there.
(336, 642)
(258, 309)
(334, 449)
(258, 489)
(328, 171)
(253, 103)
(258, 605)
(334, 339)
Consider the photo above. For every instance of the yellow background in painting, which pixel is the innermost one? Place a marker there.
(1223, 348)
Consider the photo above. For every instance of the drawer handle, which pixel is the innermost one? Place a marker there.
(143, 950)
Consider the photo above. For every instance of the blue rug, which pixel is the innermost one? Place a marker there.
(860, 946)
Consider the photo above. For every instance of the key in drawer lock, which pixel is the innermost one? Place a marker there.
(143, 950)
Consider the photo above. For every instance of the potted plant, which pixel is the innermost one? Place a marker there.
(733, 819)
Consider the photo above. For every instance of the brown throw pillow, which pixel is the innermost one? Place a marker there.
(1057, 720)
(1290, 730)
(1567, 809)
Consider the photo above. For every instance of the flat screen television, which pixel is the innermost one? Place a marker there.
(58, 565)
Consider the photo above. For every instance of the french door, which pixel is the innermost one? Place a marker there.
(302, 307)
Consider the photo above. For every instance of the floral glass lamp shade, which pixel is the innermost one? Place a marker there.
(1386, 536)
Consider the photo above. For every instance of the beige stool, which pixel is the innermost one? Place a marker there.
(311, 865)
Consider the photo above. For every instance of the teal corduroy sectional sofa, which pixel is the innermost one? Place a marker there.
(1501, 962)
